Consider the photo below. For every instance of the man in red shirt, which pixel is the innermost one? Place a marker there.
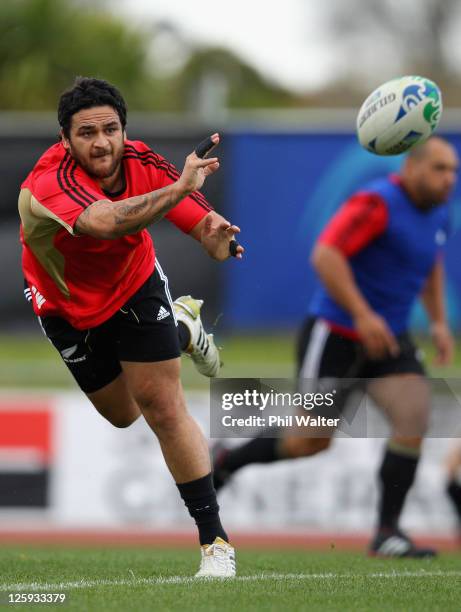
(101, 295)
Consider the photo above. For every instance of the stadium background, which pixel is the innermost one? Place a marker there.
(280, 186)
(288, 160)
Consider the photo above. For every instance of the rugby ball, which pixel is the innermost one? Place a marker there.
(398, 115)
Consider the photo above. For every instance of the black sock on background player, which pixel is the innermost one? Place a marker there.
(397, 474)
(454, 493)
(228, 461)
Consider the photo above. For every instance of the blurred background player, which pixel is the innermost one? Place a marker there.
(100, 293)
(376, 256)
(453, 469)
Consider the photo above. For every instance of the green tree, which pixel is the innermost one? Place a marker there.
(44, 44)
(241, 86)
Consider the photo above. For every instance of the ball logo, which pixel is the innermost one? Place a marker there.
(398, 115)
(414, 94)
(432, 112)
(377, 103)
(407, 141)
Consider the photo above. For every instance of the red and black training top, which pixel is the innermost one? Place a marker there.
(86, 280)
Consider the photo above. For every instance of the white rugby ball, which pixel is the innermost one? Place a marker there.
(398, 115)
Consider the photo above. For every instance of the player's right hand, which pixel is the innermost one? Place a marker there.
(443, 342)
(376, 336)
(196, 169)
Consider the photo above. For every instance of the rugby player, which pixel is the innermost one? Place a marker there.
(453, 487)
(102, 296)
(380, 251)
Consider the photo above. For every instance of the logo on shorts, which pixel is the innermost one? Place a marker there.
(68, 352)
(162, 313)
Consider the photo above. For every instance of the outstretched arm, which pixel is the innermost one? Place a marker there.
(215, 234)
(108, 220)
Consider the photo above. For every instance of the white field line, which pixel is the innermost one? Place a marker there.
(56, 587)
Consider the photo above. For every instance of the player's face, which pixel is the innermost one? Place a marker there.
(436, 173)
(96, 141)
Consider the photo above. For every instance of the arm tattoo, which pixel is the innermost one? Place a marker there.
(121, 213)
(106, 219)
(136, 213)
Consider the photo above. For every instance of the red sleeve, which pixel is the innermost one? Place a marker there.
(189, 211)
(360, 220)
(65, 192)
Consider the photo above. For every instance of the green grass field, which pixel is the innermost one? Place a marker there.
(152, 579)
(31, 361)
(142, 579)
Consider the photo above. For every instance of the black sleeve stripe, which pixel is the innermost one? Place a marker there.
(66, 172)
(199, 196)
(74, 188)
(172, 171)
(159, 162)
(141, 153)
(82, 188)
(201, 201)
(196, 196)
(151, 158)
(69, 191)
(150, 162)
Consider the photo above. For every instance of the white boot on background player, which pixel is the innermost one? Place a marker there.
(202, 348)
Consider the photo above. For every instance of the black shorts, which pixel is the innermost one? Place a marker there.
(325, 355)
(143, 330)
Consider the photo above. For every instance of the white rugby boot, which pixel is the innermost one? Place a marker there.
(202, 347)
(218, 560)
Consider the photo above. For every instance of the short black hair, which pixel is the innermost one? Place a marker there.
(85, 93)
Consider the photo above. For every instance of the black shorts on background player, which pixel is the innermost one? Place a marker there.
(343, 362)
(343, 357)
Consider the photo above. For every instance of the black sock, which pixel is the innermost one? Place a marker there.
(184, 335)
(397, 474)
(200, 498)
(258, 450)
(454, 493)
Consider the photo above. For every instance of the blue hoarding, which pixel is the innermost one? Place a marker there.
(281, 189)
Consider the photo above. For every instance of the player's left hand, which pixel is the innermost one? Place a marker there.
(216, 236)
(443, 342)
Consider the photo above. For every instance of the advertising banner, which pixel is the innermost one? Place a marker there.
(63, 466)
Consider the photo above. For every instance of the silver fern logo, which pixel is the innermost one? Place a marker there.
(68, 352)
